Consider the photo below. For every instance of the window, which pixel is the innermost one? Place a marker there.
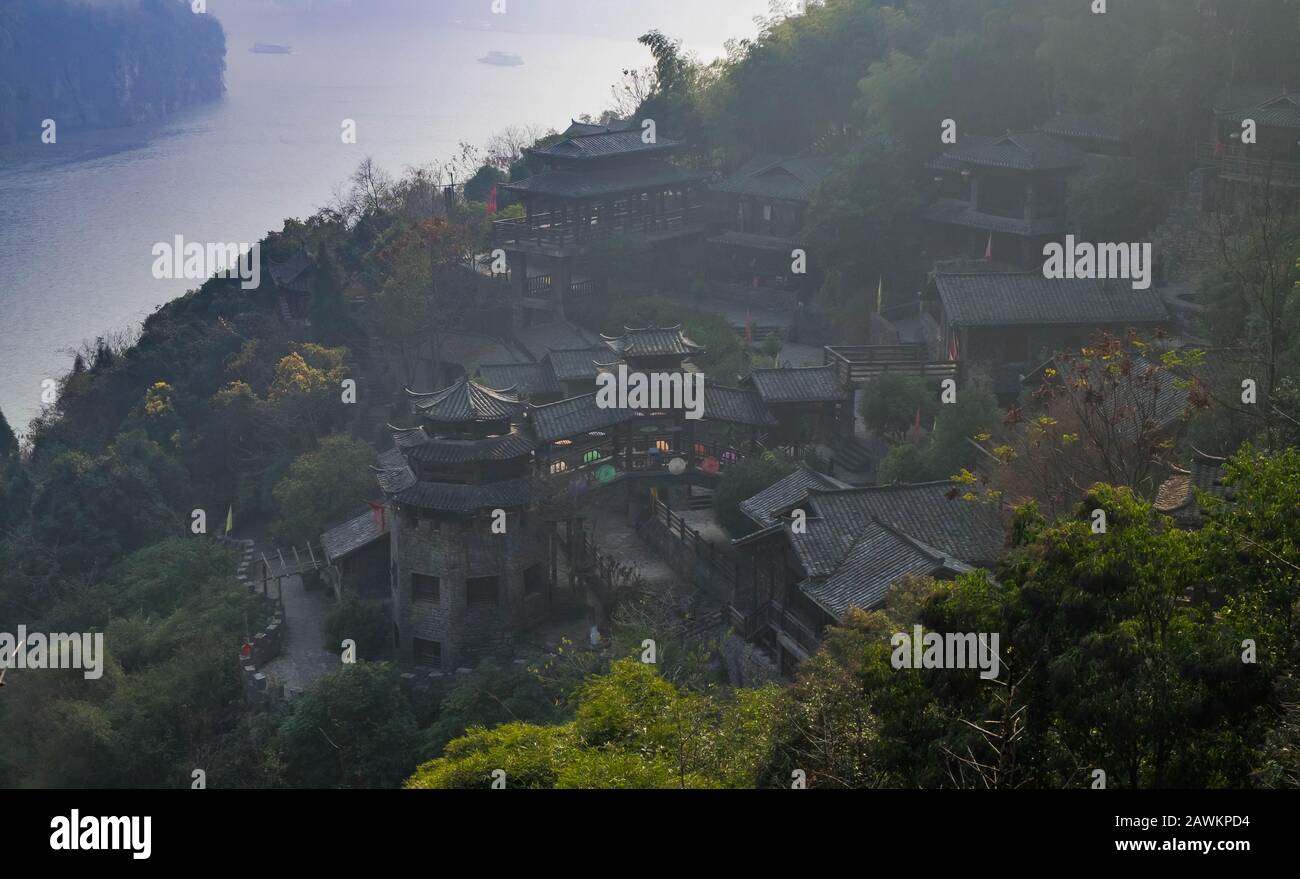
(425, 589)
(481, 592)
(593, 455)
(559, 467)
(662, 445)
(767, 212)
(534, 580)
(427, 653)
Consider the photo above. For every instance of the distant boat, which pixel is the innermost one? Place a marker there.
(501, 59)
(271, 49)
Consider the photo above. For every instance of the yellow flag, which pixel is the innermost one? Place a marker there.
(230, 519)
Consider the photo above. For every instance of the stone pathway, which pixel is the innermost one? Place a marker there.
(302, 660)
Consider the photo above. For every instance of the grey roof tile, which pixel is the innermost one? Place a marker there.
(803, 384)
(784, 494)
(347, 537)
(569, 418)
(975, 299)
(418, 446)
(1021, 151)
(525, 378)
(737, 406)
(455, 498)
(465, 402)
(792, 178)
(652, 342)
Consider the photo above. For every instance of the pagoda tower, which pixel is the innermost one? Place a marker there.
(469, 568)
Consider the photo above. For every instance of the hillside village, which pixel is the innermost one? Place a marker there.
(402, 453)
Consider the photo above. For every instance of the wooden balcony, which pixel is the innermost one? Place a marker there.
(855, 364)
(1235, 162)
(560, 234)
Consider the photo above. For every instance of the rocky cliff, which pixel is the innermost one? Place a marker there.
(103, 63)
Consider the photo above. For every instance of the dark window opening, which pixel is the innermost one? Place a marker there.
(535, 580)
(427, 653)
(481, 592)
(425, 589)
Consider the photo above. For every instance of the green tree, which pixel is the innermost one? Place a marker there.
(891, 403)
(322, 486)
(353, 728)
(744, 479)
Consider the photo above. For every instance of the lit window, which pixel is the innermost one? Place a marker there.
(593, 455)
(559, 466)
(662, 445)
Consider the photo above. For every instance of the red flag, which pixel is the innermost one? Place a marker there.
(749, 330)
(492, 200)
(378, 510)
(988, 249)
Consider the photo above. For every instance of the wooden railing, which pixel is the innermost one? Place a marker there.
(564, 230)
(1233, 161)
(859, 363)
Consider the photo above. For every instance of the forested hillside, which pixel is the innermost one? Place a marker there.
(104, 64)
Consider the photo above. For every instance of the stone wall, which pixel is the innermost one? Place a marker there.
(454, 552)
(746, 664)
(266, 644)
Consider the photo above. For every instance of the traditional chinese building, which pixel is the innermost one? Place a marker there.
(596, 184)
(468, 570)
(761, 216)
(1239, 170)
(1001, 197)
(821, 548)
(1019, 319)
(459, 589)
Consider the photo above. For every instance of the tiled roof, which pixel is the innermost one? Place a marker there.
(525, 378)
(929, 512)
(574, 416)
(998, 299)
(792, 179)
(454, 498)
(784, 494)
(802, 384)
(1146, 399)
(290, 273)
(722, 403)
(959, 212)
(577, 128)
(1020, 151)
(577, 364)
(346, 538)
(393, 473)
(1083, 125)
(858, 541)
(755, 241)
(418, 446)
(652, 342)
(554, 335)
(466, 401)
(602, 144)
(648, 174)
(879, 557)
(1278, 110)
(1178, 494)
